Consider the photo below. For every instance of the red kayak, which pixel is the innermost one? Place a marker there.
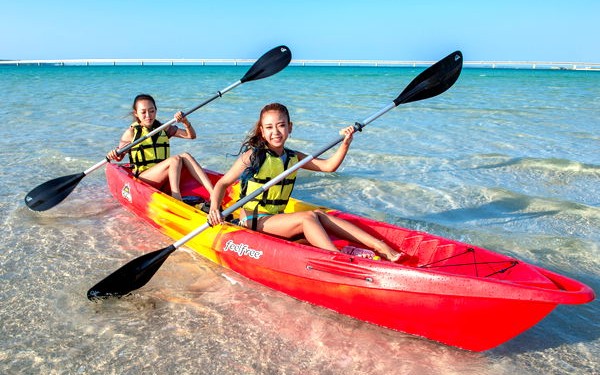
(452, 292)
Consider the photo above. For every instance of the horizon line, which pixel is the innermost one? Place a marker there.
(531, 64)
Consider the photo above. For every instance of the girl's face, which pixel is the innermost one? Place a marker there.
(275, 129)
(145, 112)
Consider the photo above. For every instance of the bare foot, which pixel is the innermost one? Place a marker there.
(390, 254)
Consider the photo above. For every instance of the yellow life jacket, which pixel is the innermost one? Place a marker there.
(149, 152)
(274, 200)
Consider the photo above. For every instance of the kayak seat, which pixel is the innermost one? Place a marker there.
(192, 200)
(201, 204)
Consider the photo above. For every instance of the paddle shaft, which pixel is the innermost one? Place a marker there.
(433, 81)
(127, 147)
(138, 272)
(280, 177)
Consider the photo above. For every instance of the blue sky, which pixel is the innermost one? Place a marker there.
(565, 30)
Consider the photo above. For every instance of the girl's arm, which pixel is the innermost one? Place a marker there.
(216, 198)
(125, 140)
(188, 132)
(332, 163)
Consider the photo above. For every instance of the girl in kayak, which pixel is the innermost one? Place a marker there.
(263, 157)
(151, 158)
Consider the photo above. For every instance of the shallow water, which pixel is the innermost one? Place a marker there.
(506, 159)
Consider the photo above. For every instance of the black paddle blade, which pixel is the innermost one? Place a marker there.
(434, 80)
(268, 64)
(52, 192)
(131, 276)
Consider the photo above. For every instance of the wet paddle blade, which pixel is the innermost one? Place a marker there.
(434, 80)
(131, 276)
(268, 64)
(51, 193)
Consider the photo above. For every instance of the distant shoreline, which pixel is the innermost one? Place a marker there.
(349, 63)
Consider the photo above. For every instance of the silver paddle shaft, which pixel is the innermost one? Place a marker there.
(281, 176)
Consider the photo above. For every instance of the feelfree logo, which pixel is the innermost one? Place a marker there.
(242, 249)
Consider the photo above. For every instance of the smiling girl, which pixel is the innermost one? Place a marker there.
(151, 158)
(263, 157)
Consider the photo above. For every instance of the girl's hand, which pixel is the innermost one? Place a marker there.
(179, 117)
(347, 132)
(214, 217)
(112, 155)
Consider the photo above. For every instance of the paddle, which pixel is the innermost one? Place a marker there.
(51, 193)
(433, 81)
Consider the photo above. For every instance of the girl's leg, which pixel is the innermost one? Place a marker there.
(158, 174)
(196, 171)
(344, 229)
(315, 225)
(290, 225)
(175, 175)
(171, 169)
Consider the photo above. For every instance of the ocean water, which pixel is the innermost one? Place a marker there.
(506, 159)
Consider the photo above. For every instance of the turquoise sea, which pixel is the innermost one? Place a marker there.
(506, 159)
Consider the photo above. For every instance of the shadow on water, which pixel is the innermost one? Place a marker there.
(547, 163)
(500, 211)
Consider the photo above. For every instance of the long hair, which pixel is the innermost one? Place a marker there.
(255, 141)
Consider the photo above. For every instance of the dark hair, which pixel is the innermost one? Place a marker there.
(255, 141)
(137, 99)
(255, 138)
